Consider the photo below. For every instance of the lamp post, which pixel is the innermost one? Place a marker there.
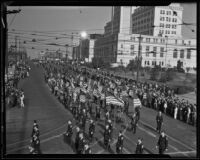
(83, 35)
(139, 55)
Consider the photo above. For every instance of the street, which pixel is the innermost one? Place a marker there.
(52, 118)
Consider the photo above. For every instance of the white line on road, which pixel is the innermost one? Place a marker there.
(148, 132)
(182, 152)
(40, 136)
(42, 141)
(126, 151)
(172, 138)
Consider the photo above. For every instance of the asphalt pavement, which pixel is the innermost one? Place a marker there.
(52, 118)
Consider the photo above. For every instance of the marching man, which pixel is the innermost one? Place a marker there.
(162, 143)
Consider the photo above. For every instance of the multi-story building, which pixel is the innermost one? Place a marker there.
(158, 20)
(85, 50)
(164, 51)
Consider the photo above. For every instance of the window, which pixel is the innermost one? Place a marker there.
(188, 54)
(162, 25)
(183, 42)
(132, 47)
(182, 53)
(174, 26)
(189, 42)
(147, 51)
(176, 41)
(175, 53)
(162, 63)
(167, 26)
(161, 51)
(162, 18)
(121, 45)
(152, 62)
(168, 12)
(148, 62)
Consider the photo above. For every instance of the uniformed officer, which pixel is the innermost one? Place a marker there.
(110, 127)
(81, 144)
(119, 144)
(91, 130)
(133, 123)
(98, 113)
(137, 111)
(139, 147)
(159, 120)
(162, 143)
(69, 132)
(107, 138)
(77, 138)
(87, 149)
(83, 119)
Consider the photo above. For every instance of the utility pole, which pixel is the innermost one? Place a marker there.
(138, 58)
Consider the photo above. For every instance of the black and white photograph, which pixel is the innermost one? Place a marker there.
(100, 80)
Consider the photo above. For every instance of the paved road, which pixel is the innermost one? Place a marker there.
(52, 118)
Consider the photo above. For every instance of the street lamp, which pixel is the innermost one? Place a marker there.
(83, 35)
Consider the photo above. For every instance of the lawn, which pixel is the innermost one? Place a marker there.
(185, 82)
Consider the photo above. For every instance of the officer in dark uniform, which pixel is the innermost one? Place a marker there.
(107, 138)
(139, 147)
(77, 138)
(111, 128)
(87, 149)
(133, 123)
(98, 112)
(81, 144)
(37, 145)
(69, 133)
(137, 111)
(119, 144)
(83, 119)
(162, 143)
(159, 120)
(91, 130)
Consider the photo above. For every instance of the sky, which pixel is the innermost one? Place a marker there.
(65, 20)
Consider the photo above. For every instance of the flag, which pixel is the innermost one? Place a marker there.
(136, 102)
(113, 100)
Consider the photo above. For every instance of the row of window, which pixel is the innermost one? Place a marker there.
(162, 40)
(161, 63)
(162, 25)
(168, 19)
(175, 52)
(166, 32)
(174, 13)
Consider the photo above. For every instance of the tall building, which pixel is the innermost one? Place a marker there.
(159, 45)
(85, 50)
(158, 20)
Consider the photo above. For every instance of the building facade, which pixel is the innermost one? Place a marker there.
(85, 50)
(163, 51)
(160, 45)
(158, 20)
